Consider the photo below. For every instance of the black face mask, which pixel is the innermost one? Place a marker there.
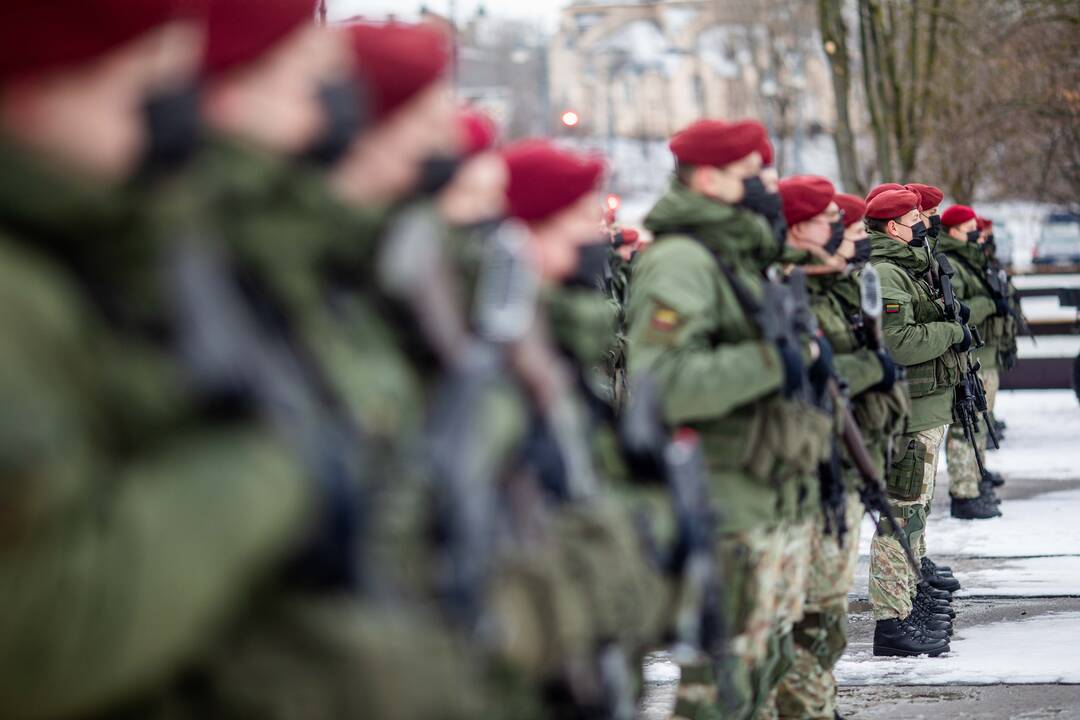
(759, 200)
(340, 103)
(436, 173)
(836, 237)
(973, 236)
(935, 226)
(173, 129)
(592, 266)
(918, 234)
(862, 253)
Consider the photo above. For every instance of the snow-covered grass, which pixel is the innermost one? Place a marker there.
(1041, 649)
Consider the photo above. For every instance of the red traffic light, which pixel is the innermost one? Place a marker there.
(570, 118)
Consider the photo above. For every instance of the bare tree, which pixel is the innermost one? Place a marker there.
(834, 35)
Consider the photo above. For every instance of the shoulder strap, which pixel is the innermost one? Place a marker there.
(980, 274)
(745, 298)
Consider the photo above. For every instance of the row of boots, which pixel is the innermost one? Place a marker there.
(985, 505)
(926, 631)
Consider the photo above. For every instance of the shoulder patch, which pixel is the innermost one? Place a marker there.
(892, 307)
(665, 319)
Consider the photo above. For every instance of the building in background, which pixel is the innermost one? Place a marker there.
(642, 70)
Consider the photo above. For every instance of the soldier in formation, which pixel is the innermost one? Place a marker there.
(320, 402)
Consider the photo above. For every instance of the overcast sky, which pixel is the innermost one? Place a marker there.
(543, 10)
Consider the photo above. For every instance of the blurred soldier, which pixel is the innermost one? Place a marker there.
(1006, 341)
(693, 323)
(972, 492)
(919, 336)
(138, 518)
(812, 209)
(282, 105)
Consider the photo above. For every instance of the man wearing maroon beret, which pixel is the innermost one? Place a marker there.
(136, 520)
(920, 337)
(930, 199)
(813, 211)
(971, 491)
(856, 246)
(691, 324)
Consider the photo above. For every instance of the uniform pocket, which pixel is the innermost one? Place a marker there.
(905, 479)
(947, 370)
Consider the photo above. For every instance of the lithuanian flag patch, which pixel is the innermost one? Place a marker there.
(892, 307)
(665, 319)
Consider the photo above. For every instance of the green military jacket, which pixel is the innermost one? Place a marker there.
(687, 328)
(916, 331)
(969, 283)
(836, 303)
(133, 526)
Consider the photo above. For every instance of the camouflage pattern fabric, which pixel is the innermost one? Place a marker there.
(892, 581)
(749, 562)
(808, 689)
(963, 470)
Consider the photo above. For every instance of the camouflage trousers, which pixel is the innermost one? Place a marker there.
(963, 470)
(808, 690)
(749, 565)
(892, 580)
(792, 594)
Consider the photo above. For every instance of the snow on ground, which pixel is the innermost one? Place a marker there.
(1042, 526)
(1042, 649)
(1043, 436)
(1025, 577)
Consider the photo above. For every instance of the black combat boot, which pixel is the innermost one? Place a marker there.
(928, 564)
(976, 508)
(995, 478)
(986, 491)
(930, 621)
(937, 606)
(895, 638)
(937, 578)
(936, 594)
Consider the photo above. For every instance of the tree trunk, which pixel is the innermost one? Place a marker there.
(834, 38)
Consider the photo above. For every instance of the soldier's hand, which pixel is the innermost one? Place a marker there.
(794, 369)
(963, 312)
(964, 344)
(1001, 307)
(822, 368)
(890, 372)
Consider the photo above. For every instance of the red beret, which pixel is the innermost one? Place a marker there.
(983, 223)
(957, 215)
(38, 36)
(476, 131)
(630, 236)
(892, 204)
(805, 197)
(882, 188)
(717, 143)
(766, 150)
(545, 179)
(396, 61)
(853, 206)
(929, 196)
(240, 31)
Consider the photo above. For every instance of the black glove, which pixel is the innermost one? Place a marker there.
(890, 372)
(822, 369)
(965, 344)
(963, 312)
(1001, 306)
(794, 369)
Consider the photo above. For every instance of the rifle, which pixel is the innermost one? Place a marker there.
(969, 396)
(872, 491)
(997, 280)
(414, 269)
(677, 458)
(506, 341)
(238, 346)
(830, 474)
